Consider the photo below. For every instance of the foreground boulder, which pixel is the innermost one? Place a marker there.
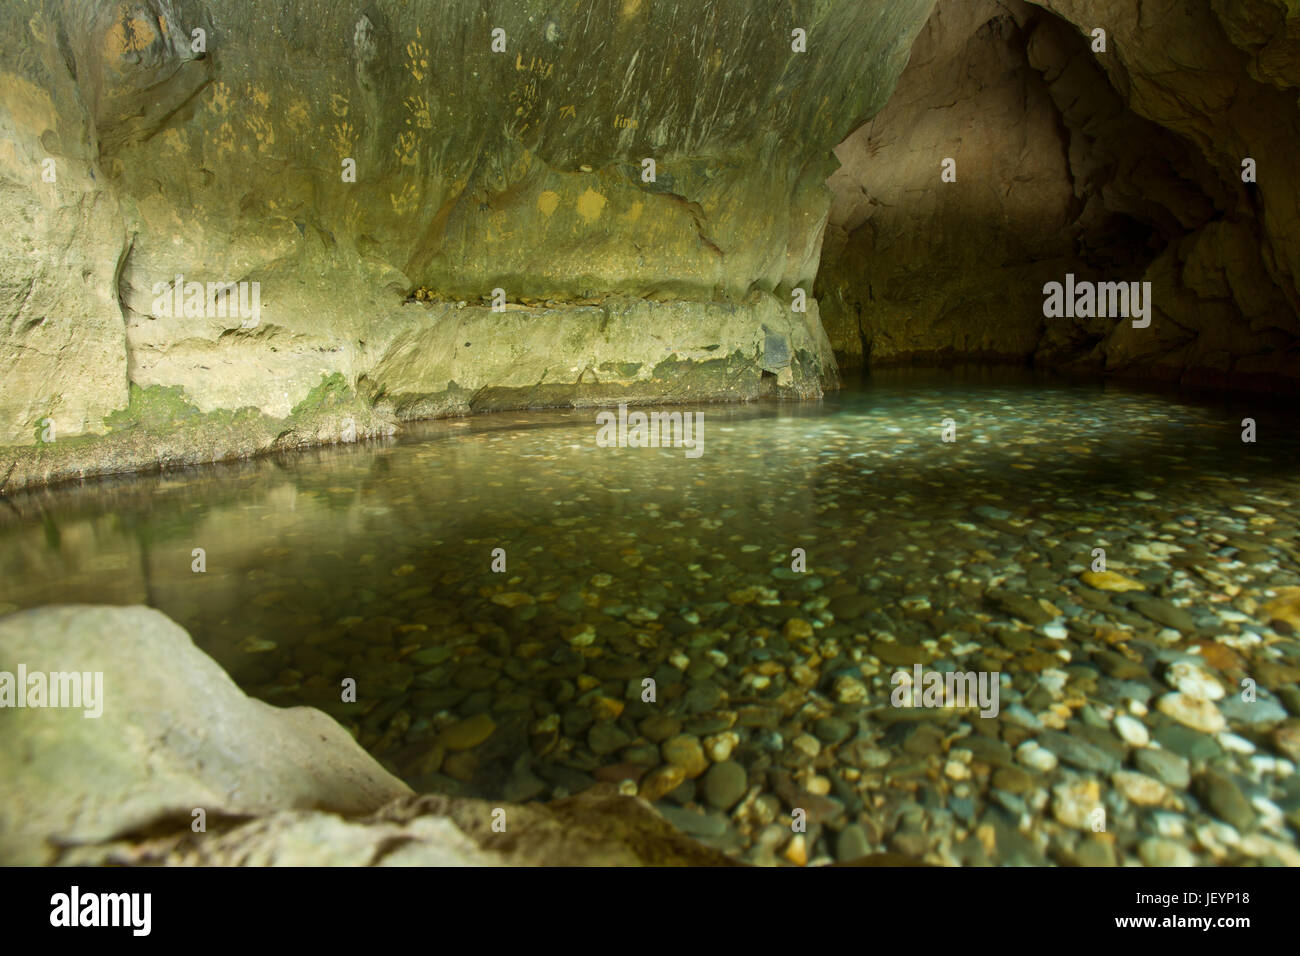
(175, 735)
(277, 786)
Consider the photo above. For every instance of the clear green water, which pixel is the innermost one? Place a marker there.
(374, 562)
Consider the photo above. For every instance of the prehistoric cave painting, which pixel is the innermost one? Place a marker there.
(224, 140)
(219, 97)
(404, 148)
(590, 206)
(298, 115)
(258, 119)
(344, 138)
(417, 57)
(405, 201)
(418, 108)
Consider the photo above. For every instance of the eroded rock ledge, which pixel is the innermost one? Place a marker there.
(140, 158)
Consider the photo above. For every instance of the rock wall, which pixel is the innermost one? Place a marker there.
(366, 175)
(1122, 165)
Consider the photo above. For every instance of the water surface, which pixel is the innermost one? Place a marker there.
(374, 562)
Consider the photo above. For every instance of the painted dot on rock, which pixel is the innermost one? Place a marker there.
(590, 205)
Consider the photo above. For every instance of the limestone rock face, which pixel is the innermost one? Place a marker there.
(174, 734)
(64, 238)
(343, 157)
(1122, 165)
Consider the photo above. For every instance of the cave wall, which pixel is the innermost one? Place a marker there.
(474, 170)
(1123, 165)
(906, 273)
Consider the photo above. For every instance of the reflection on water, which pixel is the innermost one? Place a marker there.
(376, 563)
